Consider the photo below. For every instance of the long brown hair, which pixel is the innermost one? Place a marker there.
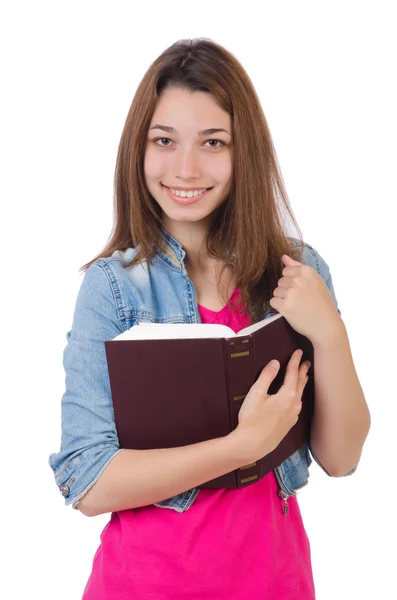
(247, 231)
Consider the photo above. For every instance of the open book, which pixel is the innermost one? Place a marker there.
(178, 384)
(156, 331)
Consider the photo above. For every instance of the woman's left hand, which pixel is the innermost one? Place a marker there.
(303, 298)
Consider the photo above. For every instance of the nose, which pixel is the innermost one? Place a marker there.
(187, 164)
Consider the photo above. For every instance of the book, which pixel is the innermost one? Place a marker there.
(174, 385)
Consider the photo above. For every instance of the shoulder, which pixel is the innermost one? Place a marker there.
(109, 272)
(119, 258)
(104, 282)
(311, 257)
(115, 280)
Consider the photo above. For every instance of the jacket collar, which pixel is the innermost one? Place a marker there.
(172, 250)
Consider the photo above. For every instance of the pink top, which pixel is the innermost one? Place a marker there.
(231, 543)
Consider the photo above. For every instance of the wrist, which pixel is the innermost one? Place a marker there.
(334, 336)
(239, 447)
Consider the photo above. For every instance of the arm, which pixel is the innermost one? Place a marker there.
(341, 419)
(89, 439)
(90, 462)
(139, 477)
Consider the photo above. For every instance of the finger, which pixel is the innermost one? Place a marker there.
(303, 376)
(292, 371)
(284, 282)
(280, 292)
(302, 384)
(292, 271)
(294, 364)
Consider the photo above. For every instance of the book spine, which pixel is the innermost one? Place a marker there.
(240, 376)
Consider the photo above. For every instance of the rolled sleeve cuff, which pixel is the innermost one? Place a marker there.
(80, 473)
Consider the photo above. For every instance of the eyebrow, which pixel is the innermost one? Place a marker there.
(200, 133)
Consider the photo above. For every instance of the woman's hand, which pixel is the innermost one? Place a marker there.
(304, 300)
(265, 419)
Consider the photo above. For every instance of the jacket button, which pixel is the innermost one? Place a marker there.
(64, 489)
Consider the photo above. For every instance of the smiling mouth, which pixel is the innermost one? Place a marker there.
(191, 190)
(186, 200)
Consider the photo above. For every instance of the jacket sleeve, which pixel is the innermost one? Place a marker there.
(322, 268)
(88, 433)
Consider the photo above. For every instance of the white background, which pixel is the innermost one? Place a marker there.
(325, 74)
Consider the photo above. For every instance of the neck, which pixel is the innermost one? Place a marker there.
(202, 269)
(192, 238)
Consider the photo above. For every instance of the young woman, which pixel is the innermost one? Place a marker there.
(199, 236)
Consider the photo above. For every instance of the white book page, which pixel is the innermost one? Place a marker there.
(259, 325)
(169, 331)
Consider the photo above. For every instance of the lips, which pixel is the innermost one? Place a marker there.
(185, 201)
(192, 190)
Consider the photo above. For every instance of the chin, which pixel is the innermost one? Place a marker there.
(182, 217)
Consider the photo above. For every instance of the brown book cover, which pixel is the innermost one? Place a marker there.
(174, 392)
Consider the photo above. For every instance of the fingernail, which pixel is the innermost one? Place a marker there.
(273, 363)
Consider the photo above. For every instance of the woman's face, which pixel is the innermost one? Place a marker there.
(180, 155)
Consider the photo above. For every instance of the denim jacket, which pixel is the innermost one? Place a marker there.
(111, 300)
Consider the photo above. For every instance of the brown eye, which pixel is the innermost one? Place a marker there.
(162, 140)
(218, 142)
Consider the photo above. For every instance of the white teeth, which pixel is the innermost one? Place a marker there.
(184, 194)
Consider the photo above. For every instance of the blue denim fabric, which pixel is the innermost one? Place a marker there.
(111, 300)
